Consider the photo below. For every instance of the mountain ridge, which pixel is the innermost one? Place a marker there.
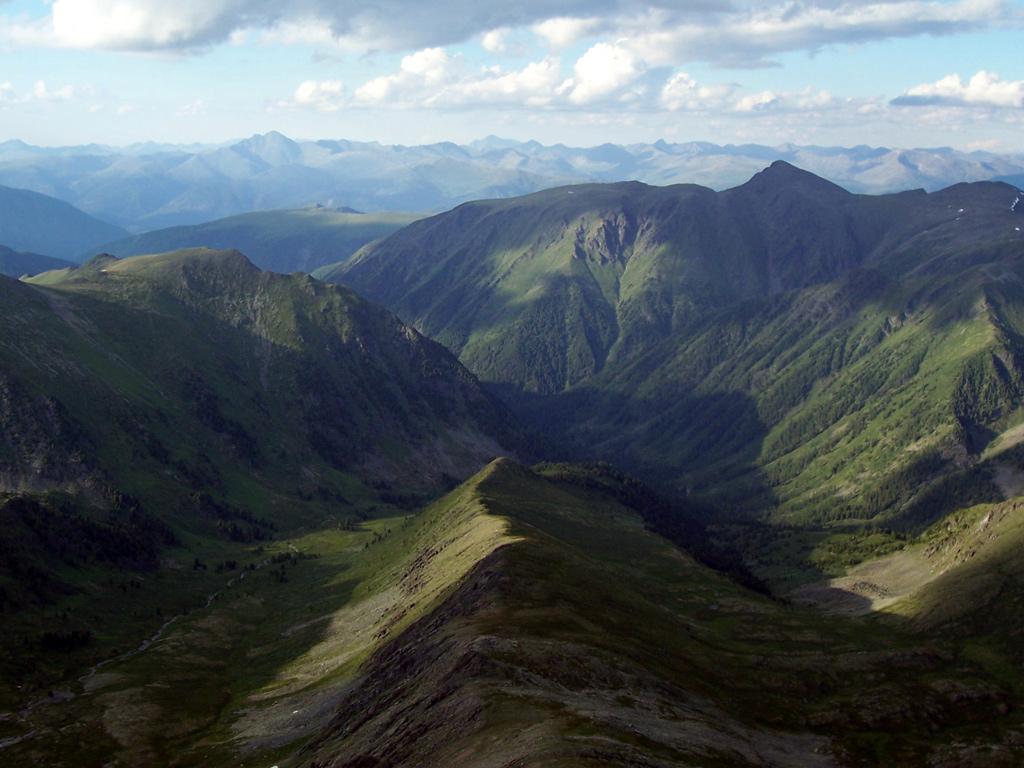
(635, 321)
(145, 187)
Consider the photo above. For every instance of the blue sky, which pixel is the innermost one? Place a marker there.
(893, 72)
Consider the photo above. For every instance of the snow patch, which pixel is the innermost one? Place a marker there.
(1015, 204)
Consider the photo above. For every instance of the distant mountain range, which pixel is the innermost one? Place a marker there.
(149, 186)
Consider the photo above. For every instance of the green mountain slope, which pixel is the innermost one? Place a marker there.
(782, 345)
(527, 619)
(184, 405)
(278, 241)
(37, 223)
(963, 571)
(543, 291)
(14, 264)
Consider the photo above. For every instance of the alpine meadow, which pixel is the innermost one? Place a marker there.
(562, 384)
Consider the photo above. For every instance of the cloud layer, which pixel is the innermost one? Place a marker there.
(605, 63)
(741, 33)
(984, 89)
(39, 93)
(607, 76)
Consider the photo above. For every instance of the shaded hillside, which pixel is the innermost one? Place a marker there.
(14, 264)
(36, 223)
(278, 241)
(754, 344)
(190, 401)
(264, 362)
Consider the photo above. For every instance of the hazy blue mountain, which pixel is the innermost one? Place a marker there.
(1016, 180)
(280, 241)
(148, 186)
(15, 264)
(34, 222)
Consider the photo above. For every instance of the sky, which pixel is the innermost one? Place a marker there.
(900, 73)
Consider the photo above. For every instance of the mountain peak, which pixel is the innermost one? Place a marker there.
(782, 175)
(229, 258)
(274, 148)
(270, 137)
(99, 260)
(206, 261)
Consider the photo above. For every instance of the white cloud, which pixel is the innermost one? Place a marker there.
(807, 100)
(605, 75)
(661, 32)
(535, 85)
(984, 89)
(121, 24)
(40, 92)
(431, 64)
(757, 102)
(495, 41)
(682, 92)
(562, 31)
(195, 108)
(432, 78)
(750, 36)
(321, 95)
(311, 31)
(423, 69)
(603, 70)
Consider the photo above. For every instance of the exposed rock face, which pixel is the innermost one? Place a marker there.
(41, 447)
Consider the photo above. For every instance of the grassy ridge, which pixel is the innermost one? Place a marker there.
(524, 618)
(591, 641)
